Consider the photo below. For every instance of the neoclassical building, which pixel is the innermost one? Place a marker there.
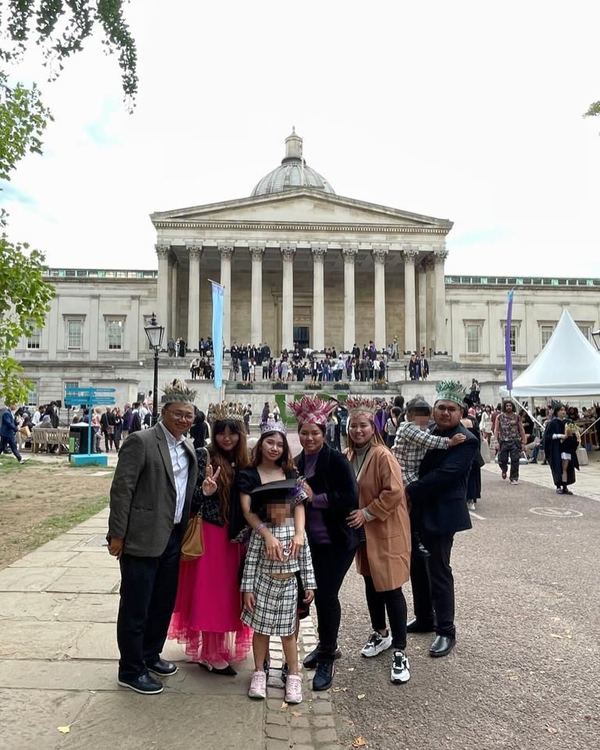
(299, 263)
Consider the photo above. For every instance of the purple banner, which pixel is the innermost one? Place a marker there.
(507, 343)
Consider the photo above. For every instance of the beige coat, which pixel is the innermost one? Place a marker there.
(386, 555)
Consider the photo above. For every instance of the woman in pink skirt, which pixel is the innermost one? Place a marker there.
(207, 612)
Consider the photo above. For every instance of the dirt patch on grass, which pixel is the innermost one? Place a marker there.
(40, 500)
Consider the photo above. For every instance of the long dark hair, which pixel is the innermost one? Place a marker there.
(228, 463)
(285, 461)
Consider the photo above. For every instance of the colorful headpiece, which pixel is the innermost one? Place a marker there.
(361, 405)
(225, 411)
(450, 390)
(177, 391)
(273, 425)
(312, 410)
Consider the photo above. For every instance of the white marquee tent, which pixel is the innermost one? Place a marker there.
(569, 365)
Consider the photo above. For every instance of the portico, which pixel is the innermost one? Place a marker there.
(296, 254)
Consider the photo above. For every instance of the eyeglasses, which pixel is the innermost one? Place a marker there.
(449, 409)
(181, 416)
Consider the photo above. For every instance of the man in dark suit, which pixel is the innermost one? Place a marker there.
(438, 511)
(150, 501)
(8, 432)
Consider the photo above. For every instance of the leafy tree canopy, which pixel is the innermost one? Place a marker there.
(61, 27)
(593, 110)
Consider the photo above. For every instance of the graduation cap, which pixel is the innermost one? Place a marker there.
(283, 491)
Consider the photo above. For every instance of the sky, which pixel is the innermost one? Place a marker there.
(468, 111)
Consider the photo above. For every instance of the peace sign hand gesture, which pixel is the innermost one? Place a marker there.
(209, 485)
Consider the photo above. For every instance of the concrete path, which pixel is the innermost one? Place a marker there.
(58, 668)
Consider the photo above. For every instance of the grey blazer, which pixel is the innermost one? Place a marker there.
(143, 494)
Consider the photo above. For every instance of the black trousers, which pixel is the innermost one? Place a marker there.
(514, 450)
(394, 602)
(148, 590)
(433, 583)
(331, 563)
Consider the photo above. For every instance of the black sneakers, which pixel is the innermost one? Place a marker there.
(143, 684)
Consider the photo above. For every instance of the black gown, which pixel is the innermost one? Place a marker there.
(553, 448)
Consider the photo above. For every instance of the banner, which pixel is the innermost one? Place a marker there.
(507, 345)
(217, 331)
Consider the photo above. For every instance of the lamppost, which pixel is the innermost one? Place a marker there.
(155, 334)
(596, 337)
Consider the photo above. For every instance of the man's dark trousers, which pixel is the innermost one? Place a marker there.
(433, 583)
(148, 591)
(514, 450)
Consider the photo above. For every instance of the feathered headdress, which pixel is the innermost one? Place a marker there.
(361, 405)
(177, 391)
(450, 390)
(225, 411)
(312, 410)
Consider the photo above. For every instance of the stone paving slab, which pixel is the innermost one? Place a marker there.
(88, 608)
(82, 580)
(42, 558)
(29, 639)
(39, 606)
(29, 718)
(86, 559)
(28, 579)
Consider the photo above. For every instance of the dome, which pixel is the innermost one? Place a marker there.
(293, 172)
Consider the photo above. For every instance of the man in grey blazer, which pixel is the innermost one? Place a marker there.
(150, 501)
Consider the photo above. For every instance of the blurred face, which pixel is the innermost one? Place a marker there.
(447, 414)
(361, 430)
(178, 418)
(272, 447)
(311, 438)
(278, 512)
(227, 440)
(421, 420)
(562, 413)
(508, 408)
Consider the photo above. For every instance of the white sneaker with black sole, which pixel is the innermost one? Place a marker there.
(400, 668)
(376, 644)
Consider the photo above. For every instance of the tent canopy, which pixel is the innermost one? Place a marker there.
(567, 366)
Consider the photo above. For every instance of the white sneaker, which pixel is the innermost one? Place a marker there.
(258, 685)
(293, 689)
(376, 644)
(400, 668)
(514, 481)
(22, 461)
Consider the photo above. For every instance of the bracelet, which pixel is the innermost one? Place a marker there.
(260, 526)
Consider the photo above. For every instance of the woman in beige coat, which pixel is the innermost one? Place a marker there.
(384, 561)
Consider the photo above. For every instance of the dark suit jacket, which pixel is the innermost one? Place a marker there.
(334, 475)
(143, 494)
(438, 497)
(8, 426)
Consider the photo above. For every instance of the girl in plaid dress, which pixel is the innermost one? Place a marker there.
(270, 587)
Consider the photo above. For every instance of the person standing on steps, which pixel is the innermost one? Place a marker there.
(438, 510)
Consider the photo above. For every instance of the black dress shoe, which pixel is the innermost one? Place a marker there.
(143, 684)
(162, 667)
(228, 671)
(323, 676)
(310, 661)
(442, 645)
(414, 626)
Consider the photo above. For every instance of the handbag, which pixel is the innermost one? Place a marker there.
(192, 544)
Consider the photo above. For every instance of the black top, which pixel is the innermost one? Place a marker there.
(438, 497)
(248, 480)
(335, 477)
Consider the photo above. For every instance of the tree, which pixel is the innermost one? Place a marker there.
(593, 110)
(60, 28)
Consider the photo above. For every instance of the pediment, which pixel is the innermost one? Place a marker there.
(299, 206)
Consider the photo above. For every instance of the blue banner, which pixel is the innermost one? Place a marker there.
(507, 342)
(217, 331)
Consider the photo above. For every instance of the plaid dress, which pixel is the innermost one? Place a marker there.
(276, 599)
(410, 447)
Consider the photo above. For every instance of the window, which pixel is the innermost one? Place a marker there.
(75, 333)
(513, 336)
(34, 339)
(473, 337)
(32, 395)
(586, 329)
(546, 331)
(114, 332)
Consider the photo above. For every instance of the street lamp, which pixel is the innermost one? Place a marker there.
(155, 334)
(596, 337)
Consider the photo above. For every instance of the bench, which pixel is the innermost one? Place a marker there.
(44, 437)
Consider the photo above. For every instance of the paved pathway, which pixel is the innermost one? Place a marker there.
(58, 670)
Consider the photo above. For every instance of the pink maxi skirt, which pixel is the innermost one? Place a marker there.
(206, 619)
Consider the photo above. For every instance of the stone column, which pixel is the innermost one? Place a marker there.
(287, 296)
(194, 250)
(94, 328)
(422, 305)
(162, 289)
(410, 302)
(349, 253)
(318, 333)
(440, 256)
(174, 269)
(379, 252)
(226, 251)
(256, 257)
(133, 327)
